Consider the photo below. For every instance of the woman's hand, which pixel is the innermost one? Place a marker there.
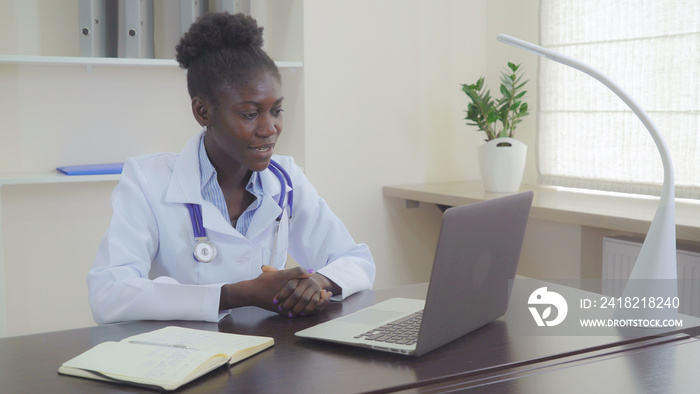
(291, 292)
(260, 291)
(303, 296)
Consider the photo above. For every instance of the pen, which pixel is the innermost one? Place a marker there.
(177, 345)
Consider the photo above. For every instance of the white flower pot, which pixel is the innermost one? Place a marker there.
(502, 163)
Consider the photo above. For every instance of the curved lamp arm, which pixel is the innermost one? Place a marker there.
(657, 259)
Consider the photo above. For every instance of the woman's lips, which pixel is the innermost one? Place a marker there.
(265, 148)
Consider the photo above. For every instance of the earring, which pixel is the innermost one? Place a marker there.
(204, 130)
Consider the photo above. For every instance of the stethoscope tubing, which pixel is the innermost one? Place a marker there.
(197, 222)
(200, 234)
(285, 180)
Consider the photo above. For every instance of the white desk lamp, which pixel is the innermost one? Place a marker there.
(655, 272)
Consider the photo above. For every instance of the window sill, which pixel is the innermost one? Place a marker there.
(614, 211)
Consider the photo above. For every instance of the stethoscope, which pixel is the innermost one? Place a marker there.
(205, 251)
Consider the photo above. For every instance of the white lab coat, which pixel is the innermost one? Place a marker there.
(145, 269)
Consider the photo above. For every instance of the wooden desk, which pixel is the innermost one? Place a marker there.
(28, 364)
(662, 365)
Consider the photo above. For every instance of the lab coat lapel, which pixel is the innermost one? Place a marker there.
(269, 209)
(185, 187)
(215, 221)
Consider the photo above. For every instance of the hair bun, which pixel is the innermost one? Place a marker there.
(216, 31)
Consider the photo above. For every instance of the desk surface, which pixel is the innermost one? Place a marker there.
(665, 366)
(29, 363)
(613, 211)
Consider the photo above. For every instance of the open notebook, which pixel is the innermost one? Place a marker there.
(164, 359)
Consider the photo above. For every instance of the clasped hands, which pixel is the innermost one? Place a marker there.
(291, 292)
(303, 293)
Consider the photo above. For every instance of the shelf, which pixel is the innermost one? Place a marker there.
(52, 177)
(614, 211)
(104, 61)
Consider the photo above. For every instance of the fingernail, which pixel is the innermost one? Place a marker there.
(274, 301)
(302, 314)
(310, 271)
(279, 308)
(290, 315)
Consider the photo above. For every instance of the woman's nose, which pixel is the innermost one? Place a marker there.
(269, 126)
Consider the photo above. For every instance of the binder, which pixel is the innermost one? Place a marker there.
(92, 169)
(98, 28)
(233, 6)
(136, 28)
(190, 10)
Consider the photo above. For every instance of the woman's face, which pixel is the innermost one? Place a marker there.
(244, 124)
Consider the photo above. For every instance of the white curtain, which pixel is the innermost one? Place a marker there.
(587, 137)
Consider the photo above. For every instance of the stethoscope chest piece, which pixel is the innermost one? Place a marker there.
(204, 251)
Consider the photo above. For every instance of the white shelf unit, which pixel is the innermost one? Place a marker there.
(52, 177)
(104, 61)
(89, 62)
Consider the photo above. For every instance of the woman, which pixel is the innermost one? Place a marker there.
(145, 267)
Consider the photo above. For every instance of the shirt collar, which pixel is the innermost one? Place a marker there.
(207, 173)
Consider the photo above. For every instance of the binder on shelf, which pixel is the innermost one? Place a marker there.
(233, 6)
(136, 28)
(98, 28)
(92, 169)
(190, 10)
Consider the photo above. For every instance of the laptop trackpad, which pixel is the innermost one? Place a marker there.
(371, 316)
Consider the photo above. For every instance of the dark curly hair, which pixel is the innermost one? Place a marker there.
(221, 50)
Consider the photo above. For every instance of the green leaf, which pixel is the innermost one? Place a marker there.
(492, 116)
(505, 80)
(505, 92)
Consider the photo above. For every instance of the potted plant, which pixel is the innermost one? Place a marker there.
(502, 157)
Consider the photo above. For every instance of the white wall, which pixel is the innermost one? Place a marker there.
(384, 106)
(550, 250)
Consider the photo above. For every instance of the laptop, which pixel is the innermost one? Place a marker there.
(475, 262)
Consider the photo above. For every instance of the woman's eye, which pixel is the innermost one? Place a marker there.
(277, 111)
(250, 115)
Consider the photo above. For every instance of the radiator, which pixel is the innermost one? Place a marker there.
(619, 255)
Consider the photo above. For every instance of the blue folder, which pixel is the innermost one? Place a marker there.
(92, 169)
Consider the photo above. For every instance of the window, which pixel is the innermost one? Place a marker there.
(587, 137)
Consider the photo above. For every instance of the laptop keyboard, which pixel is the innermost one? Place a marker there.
(403, 331)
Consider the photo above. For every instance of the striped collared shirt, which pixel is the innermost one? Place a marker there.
(211, 191)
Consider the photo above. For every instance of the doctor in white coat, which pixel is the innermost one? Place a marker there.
(145, 267)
